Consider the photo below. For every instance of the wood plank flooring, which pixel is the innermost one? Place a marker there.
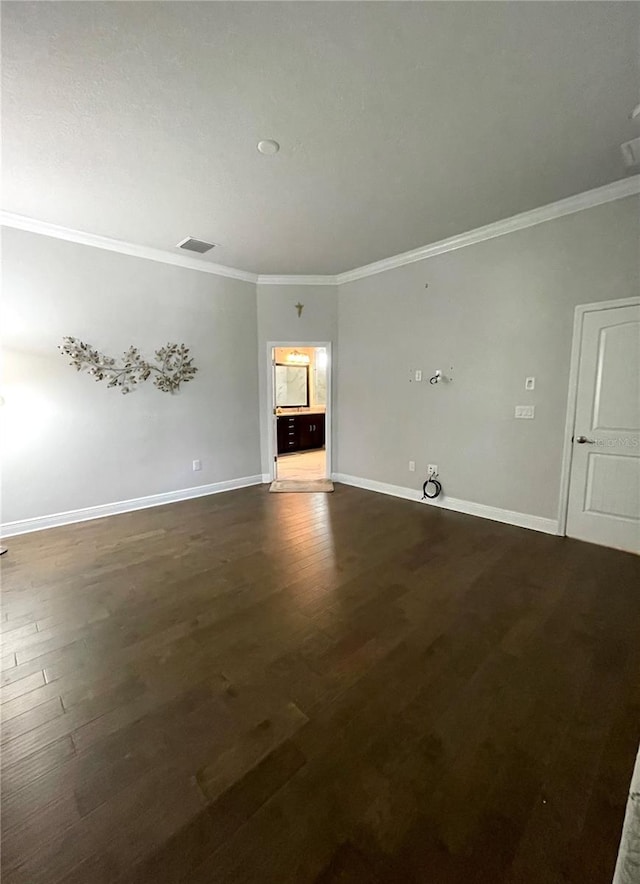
(297, 688)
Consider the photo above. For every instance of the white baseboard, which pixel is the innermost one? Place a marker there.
(55, 520)
(40, 523)
(509, 517)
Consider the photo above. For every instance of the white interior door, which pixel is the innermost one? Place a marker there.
(604, 489)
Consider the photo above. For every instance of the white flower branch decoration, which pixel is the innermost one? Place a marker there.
(175, 366)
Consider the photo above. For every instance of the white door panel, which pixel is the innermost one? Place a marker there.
(613, 485)
(604, 490)
(617, 390)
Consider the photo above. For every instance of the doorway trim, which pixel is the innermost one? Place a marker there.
(271, 417)
(576, 346)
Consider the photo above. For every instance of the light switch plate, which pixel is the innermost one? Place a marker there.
(526, 412)
(530, 384)
(418, 374)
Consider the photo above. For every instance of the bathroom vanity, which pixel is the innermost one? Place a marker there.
(300, 432)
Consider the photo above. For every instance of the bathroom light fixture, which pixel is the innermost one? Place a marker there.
(298, 358)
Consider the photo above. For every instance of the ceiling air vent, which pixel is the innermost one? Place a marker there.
(195, 245)
(631, 152)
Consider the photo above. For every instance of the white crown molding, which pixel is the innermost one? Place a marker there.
(495, 514)
(32, 225)
(269, 279)
(55, 520)
(587, 200)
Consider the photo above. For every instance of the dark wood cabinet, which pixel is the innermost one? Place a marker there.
(300, 432)
(287, 434)
(311, 431)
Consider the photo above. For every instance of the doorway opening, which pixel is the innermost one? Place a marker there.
(300, 412)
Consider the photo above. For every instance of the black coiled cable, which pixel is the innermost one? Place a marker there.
(425, 488)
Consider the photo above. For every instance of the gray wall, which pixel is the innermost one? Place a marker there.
(497, 312)
(71, 442)
(278, 321)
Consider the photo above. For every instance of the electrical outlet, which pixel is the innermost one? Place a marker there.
(412, 466)
(527, 412)
(197, 465)
(432, 470)
(418, 374)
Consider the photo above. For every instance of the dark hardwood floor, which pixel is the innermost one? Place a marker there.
(332, 688)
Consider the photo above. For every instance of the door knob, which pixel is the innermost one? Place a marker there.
(581, 440)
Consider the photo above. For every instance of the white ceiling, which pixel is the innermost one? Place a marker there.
(400, 123)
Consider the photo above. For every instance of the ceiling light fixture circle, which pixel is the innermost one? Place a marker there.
(268, 147)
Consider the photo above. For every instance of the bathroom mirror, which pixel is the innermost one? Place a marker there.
(292, 386)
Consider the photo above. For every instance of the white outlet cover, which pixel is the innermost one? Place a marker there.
(525, 412)
(412, 466)
(197, 465)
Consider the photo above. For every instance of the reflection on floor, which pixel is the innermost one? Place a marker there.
(305, 465)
